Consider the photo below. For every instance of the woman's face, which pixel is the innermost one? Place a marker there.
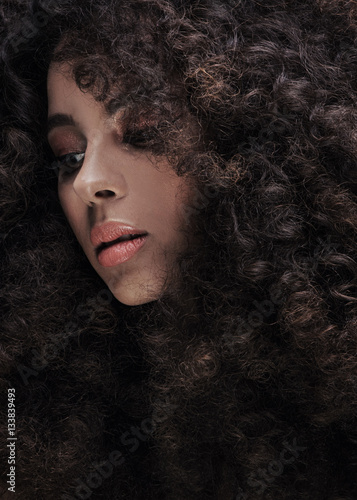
(108, 189)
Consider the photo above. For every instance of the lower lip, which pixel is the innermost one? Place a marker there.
(120, 252)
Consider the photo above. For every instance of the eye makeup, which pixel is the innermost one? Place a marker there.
(64, 140)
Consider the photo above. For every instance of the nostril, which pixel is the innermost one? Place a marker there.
(105, 193)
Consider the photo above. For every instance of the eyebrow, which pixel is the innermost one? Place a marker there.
(59, 120)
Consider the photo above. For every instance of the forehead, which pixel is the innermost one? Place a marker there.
(62, 89)
(67, 104)
(59, 75)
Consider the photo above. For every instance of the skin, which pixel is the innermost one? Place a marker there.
(116, 182)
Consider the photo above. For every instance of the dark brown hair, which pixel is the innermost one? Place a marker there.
(240, 382)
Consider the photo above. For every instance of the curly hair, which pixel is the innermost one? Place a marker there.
(240, 381)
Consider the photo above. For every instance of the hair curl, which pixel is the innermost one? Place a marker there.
(240, 382)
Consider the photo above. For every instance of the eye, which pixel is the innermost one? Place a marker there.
(139, 138)
(69, 163)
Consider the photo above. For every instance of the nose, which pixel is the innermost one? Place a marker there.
(100, 178)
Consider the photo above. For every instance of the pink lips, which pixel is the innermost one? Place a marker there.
(111, 252)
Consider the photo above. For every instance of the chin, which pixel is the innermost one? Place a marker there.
(134, 289)
(134, 296)
(133, 301)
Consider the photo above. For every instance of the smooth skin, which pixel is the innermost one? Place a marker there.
(113, 181)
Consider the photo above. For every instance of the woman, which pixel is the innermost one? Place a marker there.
(214, 354)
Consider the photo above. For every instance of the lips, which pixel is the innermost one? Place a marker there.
(108, 233)
(116, 243)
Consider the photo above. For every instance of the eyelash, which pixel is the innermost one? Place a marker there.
(136, 138)
(67, 166)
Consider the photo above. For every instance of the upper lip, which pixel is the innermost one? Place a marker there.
(111, 231)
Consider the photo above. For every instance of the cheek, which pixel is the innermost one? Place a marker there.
(71, 209)
(65, 200)
(177, 223)
(184, 203)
